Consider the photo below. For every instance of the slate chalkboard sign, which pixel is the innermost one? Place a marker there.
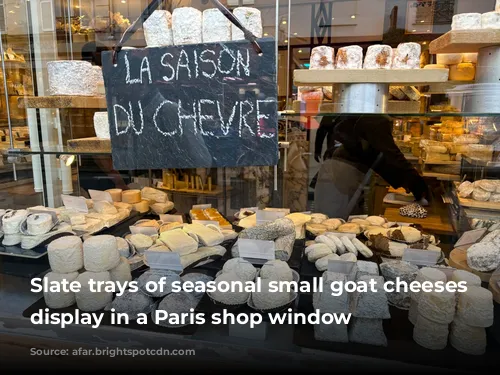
(190, 106)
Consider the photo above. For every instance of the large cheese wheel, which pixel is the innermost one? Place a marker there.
(65, 254)
(131, 196)
(88, 300)
(116, 194)
(59, 300)
(448, 58)
(141, 207)
(462, 72)
(100, 253)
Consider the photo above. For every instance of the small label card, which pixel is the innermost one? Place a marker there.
(201, 206)
(258, 250)
(148, 231)
(340, 266)
(98, 195)
(164, 260)
(207, 222)
(470, 237)
(265, 216)
(172, 218)
(75, 203)
(421, 257)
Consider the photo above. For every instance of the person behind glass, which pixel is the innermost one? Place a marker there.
(364, 142)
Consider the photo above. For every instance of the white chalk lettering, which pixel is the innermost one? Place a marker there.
(225, 126)
(145, 68)
(138, 132)
(183, 64)
(241, 62)
(263, 117)
(203, 118)
(212, 75)
(197, 68)
(129, 119)
(243, 117)
(167, 65)
(194, 117)
(127, 77)
(219, 60)
(157, 111)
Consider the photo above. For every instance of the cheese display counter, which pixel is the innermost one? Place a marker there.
(262, 151)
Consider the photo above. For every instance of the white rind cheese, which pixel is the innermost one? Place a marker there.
(322, 58)
(428, 274)
(325, 302)
(438, 307)
(11, 221)
(39, 224)
(100, 253)
(232, 297)
(123, 247)
(266, 300)
(88, 300)
(349, 245)
(59, 300)
(187, 26)
(378, 57)
(490, 20)
(216, 26)
(251, 19)
(207, 236)
(158, 29)
(350, 57)
(467, 339)
(101, 125)
(371, 305)
(162, 208)
(322, 263)
(66, 254)
(466, 21)
(121, 273)
(407, 56)
(179, 242)
(72, 77)
(413, 312)
(430, 335)
(475, 307)
(328, 242)
(241, 267)
(104, 207)
(318, 253)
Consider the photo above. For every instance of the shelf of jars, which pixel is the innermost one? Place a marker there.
(465, 41)
(98, 102)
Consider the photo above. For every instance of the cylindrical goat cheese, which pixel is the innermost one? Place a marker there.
(378, 56)
(39, 224)
(216, 26)
(322, 58)
(100, 253)
(187, 26)
(490, 20)
(116, 194)
(428, 274)
(430, 335)
(407, 56)
(66, 254)
(475, 307)
(62, 299)
(158, 29)
(350, 57)
(466, 21)
(92, 300)
(101, 125)
(72, 77)
(437, 306)
(121, 273)
(251, 19)
(11, 221)
(467, 339)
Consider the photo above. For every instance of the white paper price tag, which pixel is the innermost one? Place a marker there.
(421, 257)
(201, 206)
(340, 266)
(148, 231)
(98, 195)
(207, 222)
(264, 216)
(470, 237)
(75, 203)
(172, 218)
(163, 260)
(256, 249)
(285, 210)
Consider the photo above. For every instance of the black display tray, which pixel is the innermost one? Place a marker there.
(401, 347)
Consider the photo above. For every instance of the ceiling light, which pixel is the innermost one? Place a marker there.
(67, 159)
(124, 1)
(424, 43)
(266, 34)
(353, 16)
(414, 31)
(286, 40)
(300, 51)
(284, 22)
(428, 31)
(422, 21)
(295, 33)
(333, 18)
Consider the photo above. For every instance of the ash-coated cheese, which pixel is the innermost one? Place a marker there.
(152, 277)
(251, 19)
(367, 331)
(322, 263)
(438, 307)
(413, 312)
(325, 302)
(364, 268)
(428, 274)
(466, 21)
(449, 58)
(475, 307)
(430, 335)
(100, 253)
(266, 300)
(175, 304)
(121, 273)
(187, 26)
(131, 196)
(467, 339)
(284, 247)
(158, 29)
(241, 267)
(216, 26)
(72, 77)
(133, 304)
(328, 242)
(231, 297)
(372, 304)
(116, 194)
(462, 72)
(350, 57)
(179, 241)
(407, 56)
(270, 231)
(407, 272)
(206, 235)
(104, 207)
(39, 224)
(331, 332)
(62, 299)
(276, 270)
(154, 195)
(101, 125)
(195, 277)
(88, 300)
(483, 256)
(322, 58)
(490, 20)
(65, 254)
(378, 56)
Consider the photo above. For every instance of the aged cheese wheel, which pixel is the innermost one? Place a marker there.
(116, 194)
(141, 207)
(462, 72)
(435, 66)
(448, 58)
(131, 196)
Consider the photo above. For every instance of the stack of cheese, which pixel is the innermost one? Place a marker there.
(188, 25)
(484, 256)
(476, 21)
(368, 309)
(210, 214)
(320, 223)
(156, 199)
(480, 190)
(394, 270)
(101, 260)
(11, 226)
(433, 151)
(462, 66)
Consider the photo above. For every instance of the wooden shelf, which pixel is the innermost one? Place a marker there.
(414, 77)
(62, 102)
(465, 41)
(423, 161)
(442, 176)
(471, 203)
(216, 191)
(448, 87)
